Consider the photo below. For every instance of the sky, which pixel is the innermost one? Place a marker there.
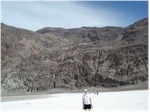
(34, 15)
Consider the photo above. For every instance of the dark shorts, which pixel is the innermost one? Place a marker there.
(87, 106)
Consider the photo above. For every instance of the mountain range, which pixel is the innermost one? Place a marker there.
(73, 58)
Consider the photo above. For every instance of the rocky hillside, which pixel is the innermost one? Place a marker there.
(73, 58)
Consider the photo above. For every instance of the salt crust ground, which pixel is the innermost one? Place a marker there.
(72, 102)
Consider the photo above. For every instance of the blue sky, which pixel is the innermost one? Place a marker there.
(34, 15)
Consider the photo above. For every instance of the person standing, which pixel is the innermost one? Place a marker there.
(97, 92)
(86, 100)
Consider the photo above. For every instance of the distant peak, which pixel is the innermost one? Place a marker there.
(50, 29)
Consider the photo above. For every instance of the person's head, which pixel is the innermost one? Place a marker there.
(85, 90)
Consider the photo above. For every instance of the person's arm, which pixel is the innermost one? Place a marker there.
(91, 103)
(83, 103)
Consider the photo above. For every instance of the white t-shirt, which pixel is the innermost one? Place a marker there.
(86, 99)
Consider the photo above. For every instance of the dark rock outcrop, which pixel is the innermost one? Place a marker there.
(73, 58)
